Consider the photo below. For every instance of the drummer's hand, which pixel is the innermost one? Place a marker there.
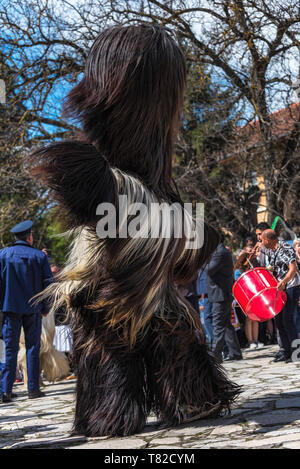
(256, 248)
(252, 254)
(281, 285)
(254, 251)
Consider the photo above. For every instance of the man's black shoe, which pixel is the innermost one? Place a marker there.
(279, 353)
(6, 397)
(280, 358)
(229, 359)
(35, 394)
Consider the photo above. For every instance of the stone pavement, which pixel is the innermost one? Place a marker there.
(266, 415)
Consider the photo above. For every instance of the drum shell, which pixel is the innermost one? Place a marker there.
(256, 293)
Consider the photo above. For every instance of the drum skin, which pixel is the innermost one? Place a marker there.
(256, 293)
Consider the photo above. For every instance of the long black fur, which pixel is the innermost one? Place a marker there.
(79, 179)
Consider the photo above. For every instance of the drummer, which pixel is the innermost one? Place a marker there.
(284, 267)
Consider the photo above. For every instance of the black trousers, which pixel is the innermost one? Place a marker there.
(224, 331)
(285, 322)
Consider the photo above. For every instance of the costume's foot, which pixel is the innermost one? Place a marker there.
(35, 394)
(197, 415)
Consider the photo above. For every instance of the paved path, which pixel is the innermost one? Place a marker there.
(267, 415)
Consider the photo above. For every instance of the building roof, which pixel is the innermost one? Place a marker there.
(249, 136)
(282, 123)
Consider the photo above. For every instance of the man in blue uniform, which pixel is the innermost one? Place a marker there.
(24, 272)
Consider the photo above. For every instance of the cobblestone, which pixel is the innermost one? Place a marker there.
(266, 415)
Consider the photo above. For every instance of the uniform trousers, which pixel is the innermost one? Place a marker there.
(32, 326)
(224, 332)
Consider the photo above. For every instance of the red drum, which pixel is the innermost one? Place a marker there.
(256, 293)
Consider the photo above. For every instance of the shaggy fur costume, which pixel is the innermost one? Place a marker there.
(138, 344)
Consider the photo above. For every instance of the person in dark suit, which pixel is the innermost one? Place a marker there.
(24, 272)
(219, 281)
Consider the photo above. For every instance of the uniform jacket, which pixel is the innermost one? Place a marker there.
(24, 272)
(219, 275)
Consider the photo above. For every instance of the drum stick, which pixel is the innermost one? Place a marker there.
(252, 253)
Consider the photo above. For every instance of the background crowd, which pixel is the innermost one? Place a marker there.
(213, 290)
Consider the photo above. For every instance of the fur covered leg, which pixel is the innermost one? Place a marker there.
(111, 394)
(185, 379)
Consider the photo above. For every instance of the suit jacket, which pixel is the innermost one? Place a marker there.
(24, 272)
(219, 275)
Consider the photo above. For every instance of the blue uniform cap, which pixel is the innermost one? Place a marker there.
(22, 227)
